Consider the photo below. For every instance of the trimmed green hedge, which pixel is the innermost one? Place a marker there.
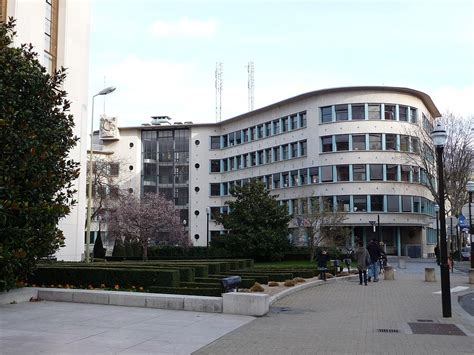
(109, 277)
(208, 291)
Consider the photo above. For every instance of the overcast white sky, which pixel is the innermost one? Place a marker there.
(161, 54)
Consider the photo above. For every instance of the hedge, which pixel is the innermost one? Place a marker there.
(85, 276)
(244, 283)
(272, 276)
(207, 291)
(263, 279)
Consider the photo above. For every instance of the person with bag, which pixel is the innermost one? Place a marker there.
(374, 252)
(363, 260)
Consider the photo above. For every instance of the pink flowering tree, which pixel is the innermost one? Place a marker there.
(152, 218)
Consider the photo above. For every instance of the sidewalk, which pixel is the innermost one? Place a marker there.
(343, 317)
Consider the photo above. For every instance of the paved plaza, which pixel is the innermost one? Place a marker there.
(338, 317)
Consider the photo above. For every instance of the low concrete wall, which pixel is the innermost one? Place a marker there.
(249, 304)
(18, 295)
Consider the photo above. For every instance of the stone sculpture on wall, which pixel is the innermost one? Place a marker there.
(108, 128)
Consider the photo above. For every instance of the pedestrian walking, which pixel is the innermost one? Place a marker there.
(322, 264)
(437, 254)
(363, 260)
(374, 251)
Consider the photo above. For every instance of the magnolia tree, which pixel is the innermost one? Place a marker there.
(322, 226)
(150, 219)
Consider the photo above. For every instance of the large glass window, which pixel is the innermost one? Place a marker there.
(404, 143)
(415, 145)
(403, 113)
(284, 124)
(416, 174)
(359, 172)
(303, 176)
(413, 115)
(231, 139)
(215, 166)
(303, 148)
(215, 189)
(276, 181)
(284, 152)
(268, 129)
(260, 157)
(326, 173)
(276, 153)
(389, 112)
(393, 203)
(358, 112)
(245, 133)
(376, 172)
(406, 203)
(360, 203)
(328, 203)
(392, 172)
(391, 142)
(294, 177)
(294, 150)
(375, 141)
(268, 155)
(302, 117)
(342, 172)
(294, 121)
(343, 203)
(276, 126)
(342, 113)
(358, 142)
(326, 114)
(260, 131)
(326, 143)
(374, 112)
(314, 175)
(342, 142)
(376, 203)
(416, 204)
(405, 173)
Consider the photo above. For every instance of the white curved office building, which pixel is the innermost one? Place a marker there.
(352, 147)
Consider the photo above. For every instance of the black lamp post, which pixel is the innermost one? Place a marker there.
(439, 137)
(436, 208)
(470, 190)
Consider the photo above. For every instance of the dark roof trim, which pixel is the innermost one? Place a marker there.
(421, 95)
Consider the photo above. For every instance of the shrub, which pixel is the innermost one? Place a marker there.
(119, 248)
(99, 250)
(289, 283)
(128, 248)
(299, 280)
(257, 288)
(273, 284)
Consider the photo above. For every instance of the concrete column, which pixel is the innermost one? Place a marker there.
(430, 275)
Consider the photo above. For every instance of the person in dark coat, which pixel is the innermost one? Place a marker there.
(374, 251)
(437, 254)
(363, 259)
(322, 264)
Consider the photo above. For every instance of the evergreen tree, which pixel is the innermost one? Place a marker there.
(36, 173)
(128, 248)
(99, 250)
(257, 225)
(119, 248)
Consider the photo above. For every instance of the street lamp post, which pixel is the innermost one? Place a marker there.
(208, 212)
(436, 208)
(439, 137)
(105, 91)
(470, 190)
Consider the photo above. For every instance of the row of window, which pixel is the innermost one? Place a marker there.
(370, 141)
(264, 130)
(372, 111)
(331, 173)
(264, 156)
(361, 203)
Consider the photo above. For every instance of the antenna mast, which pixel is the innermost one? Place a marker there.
(219, 69)
(250, 85)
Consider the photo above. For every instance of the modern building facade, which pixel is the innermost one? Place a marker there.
(353, 148)
(59, 32)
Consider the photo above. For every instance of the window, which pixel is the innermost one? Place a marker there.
(276, 153)
(405, 173)
(343, 203)
(114, 169)
(225, 165)
(215, 166)
(276, 126)
(260, 131)
(294, 150)
(390, 142)
(413, 115)
(403, 113)
(225, 189)
(392, 172)
(215, 211)
(358, 112)
(342, 172)
(303, 176)
(342, 142)
(268, 129)
(358, 142)
(303, 148)
(231, 139)
(245, 158)
(393, 203)
(404, 143)
(328, 203)
(326, 143)
(376, 172)
(376, 203)
(314, 175)
(215, 189)
(276, 181)
(359, 172)
(389, 112)
(268, 182)
(302, 117)
(294, 121)
(253, 133)
(224, 141)
(285, 179)
(245, 133)
(260, 157)
(326, 114)
(294, 178)
(342, 113)
(416, 204)
(268, 156)
(284, 152)
(326, 173)
(374, 112)
(406, 203)
(416, 174)
(238, 159)
(415, 145)
(238, 137)
(284, 124)
(253, 159)
(360, 203)
(375, 141)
